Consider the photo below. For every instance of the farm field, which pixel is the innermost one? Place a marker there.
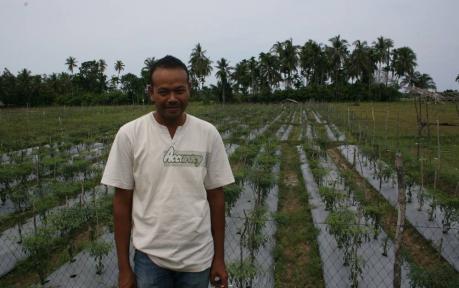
(392, 126)
(314, 203)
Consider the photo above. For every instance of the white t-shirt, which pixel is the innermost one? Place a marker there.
(171, 215)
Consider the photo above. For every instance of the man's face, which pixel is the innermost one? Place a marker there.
(170, 92)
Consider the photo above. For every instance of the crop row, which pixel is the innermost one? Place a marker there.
(56, 183)
(380, 177)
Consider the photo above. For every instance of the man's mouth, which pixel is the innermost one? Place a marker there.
(173, 109)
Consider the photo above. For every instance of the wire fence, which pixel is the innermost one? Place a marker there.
(359, 255)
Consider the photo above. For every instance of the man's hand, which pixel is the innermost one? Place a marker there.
(218, 271)
(126, 279)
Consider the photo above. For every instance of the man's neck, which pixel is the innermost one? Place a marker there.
(171, 124)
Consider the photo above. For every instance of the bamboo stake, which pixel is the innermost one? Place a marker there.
(438, 140)
(437, 168)
(374, 126)
(401, 209)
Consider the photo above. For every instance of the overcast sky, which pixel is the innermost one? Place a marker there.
(40, 34)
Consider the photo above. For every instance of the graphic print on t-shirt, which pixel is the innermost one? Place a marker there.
(173, 157)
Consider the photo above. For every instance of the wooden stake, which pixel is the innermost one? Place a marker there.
(401, 208)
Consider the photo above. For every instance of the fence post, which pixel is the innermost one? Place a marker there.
(401, 208)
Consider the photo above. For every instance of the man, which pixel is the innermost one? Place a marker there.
(168, 169)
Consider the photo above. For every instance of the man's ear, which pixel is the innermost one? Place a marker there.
(150, 93)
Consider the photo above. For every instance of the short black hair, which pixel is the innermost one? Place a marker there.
(168, 62)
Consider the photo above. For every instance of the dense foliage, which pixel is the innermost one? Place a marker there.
(335, 71)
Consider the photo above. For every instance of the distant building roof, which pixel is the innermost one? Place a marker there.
(290, 100)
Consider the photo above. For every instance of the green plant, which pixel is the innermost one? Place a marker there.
(43, 204)
(240, 175)
(98, 250)
(39, 247)
(331, 197)
(319, 174)
(255, 222)
(349, 234)
(97, 213)
(64, 190)
(262, 181)
(67, 221)
(51, 163)
(7, 175)
(232, 193)
(383, 172)
(20, 198)
(375, 214)
(450, 208)
(242, 272)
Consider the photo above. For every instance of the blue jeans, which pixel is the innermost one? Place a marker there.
(150, 275)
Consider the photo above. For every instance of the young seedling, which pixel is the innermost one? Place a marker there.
(98, 250)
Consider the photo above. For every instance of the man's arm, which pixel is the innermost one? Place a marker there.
(216, 200)
(122, 218)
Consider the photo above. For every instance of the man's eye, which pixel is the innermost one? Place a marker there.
(163, 92)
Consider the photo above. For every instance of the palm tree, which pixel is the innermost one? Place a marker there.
(310, 57)
(102, 65)
(423, 81)
(337, 54)
(149, 62)
(382, 48)
(403, 62)
(119, 66)
(24, 80)
(360, 64)
(269, 70)
(223, 72)
(113, 82)
(254, 72)
(200, 64)
(389, 44)
(379, 47)
(145, 72)
(71, 64)
(241, 77)
(278, 48)
(288, 59)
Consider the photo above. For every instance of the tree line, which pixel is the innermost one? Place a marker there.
(334, 71)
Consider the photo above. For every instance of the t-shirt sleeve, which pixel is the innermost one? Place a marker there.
(119, 168)
(218, 168)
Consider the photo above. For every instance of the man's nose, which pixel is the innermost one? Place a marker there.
(172, 97)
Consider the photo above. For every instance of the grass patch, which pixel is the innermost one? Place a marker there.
(297, 258)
